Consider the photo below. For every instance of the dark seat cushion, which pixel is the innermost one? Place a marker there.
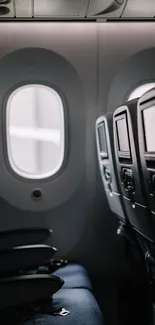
(75, 276)
(80, 302)
(75, 296)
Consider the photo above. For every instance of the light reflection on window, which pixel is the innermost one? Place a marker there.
(141, 90)
(35, 131)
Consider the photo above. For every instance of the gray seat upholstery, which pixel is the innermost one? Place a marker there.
(76, 297)
(80, 302)
(75, 276)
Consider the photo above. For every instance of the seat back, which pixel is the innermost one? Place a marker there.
(146, 135)
(129, 168)
(19, 282)
(106, 159)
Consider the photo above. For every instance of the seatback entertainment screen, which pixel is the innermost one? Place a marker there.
(122, 133)
(149, 128)
(102, 138)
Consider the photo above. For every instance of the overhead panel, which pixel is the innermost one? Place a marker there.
(139, 9)
(23, 8)
(106, 8)
(60, 8)
(74, 9)
(7, 8)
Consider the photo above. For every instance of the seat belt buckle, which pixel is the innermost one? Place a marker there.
(61, 312)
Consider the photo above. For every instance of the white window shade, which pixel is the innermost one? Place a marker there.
(35, 131)
(141, 90)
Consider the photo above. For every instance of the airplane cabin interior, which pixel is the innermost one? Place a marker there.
(77, 162)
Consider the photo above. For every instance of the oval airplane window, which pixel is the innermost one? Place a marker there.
(141, 90)
(35, 131)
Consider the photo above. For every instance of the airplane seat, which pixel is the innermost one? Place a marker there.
(19, 254)
(109, 175)
(129, 169)
(26, 292)
(106, 160)
(81, 304)
(131, 180)
(75, 276)
(146, 144)
(145, 126)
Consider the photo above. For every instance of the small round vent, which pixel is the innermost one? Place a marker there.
(37, 194)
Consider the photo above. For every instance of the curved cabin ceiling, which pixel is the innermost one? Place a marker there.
(77, 9)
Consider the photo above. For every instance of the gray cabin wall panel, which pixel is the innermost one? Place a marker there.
(23, 8)
(14, 36)
(62, 8)
(123, 40)
(78, 228)
(139, 8)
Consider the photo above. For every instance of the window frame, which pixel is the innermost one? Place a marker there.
(11, 165)
(138, 85)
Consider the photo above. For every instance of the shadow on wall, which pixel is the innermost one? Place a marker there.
(135, 71)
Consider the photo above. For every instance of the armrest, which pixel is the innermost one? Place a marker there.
(27, 289)
(26, 236)
(25, 258)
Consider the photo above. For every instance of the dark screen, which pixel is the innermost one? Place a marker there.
(102, 138)
(123, 140)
